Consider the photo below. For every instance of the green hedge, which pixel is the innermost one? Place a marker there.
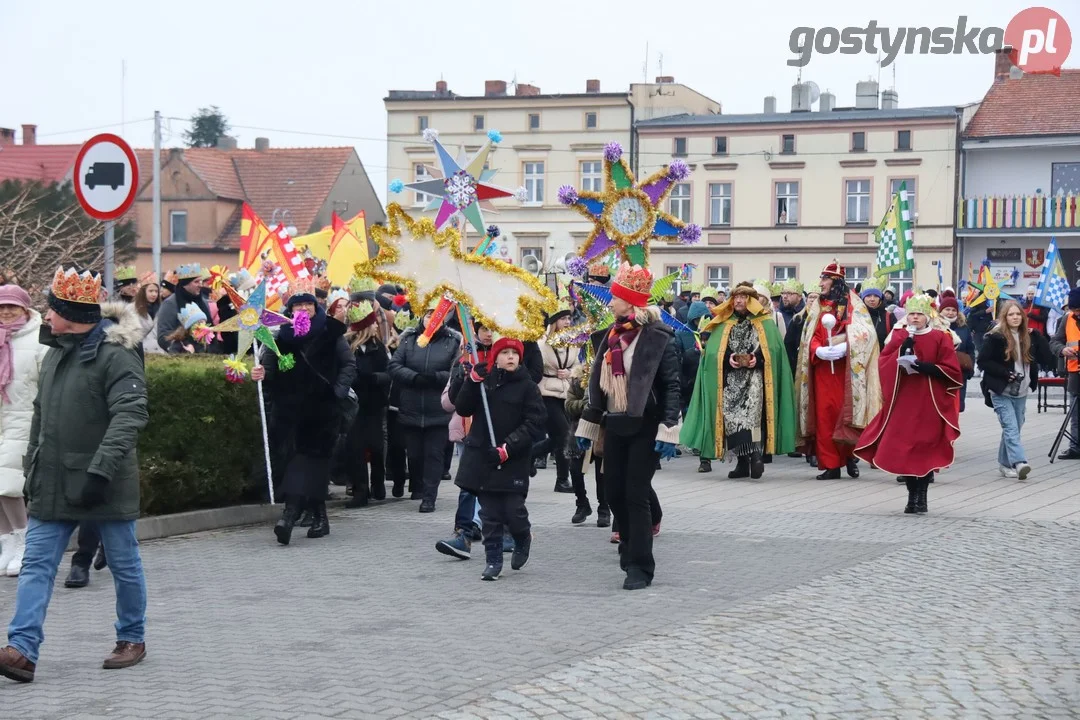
(203, 445)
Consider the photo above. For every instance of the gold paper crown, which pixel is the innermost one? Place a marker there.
(600, 269)
(359, 311)
(708, 291)
(921, 303)
(634, 277)
(403, 322)
(303, 286)
(125, 273)
(323, 283)
(362, 284)
(875, 282)
(72, 286)
(791, 286)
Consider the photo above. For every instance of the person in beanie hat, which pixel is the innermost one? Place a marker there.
(21, 356)
(873, 298)
(633, 412)
(1066, 345)
(81, 464)
(949, 310)
(913, 434)
(498, 473)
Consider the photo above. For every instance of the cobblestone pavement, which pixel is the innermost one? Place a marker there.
(786, 597)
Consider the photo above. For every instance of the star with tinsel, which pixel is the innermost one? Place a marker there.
(627, 214)
(463, 185)
(987, 290)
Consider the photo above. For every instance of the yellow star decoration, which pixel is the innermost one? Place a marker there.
(429, 264)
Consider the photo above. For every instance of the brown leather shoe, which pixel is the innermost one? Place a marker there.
(14, 665)
(124, 655)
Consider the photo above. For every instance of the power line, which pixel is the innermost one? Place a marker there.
(90, 129)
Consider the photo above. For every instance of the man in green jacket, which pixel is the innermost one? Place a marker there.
(81, 465)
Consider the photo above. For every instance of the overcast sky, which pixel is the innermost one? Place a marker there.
(321, 68)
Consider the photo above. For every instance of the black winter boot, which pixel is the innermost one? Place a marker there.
(306, 518)
(704, 466)
(921, 507)
(742, 468)
(584, 510)
(853, 467)
(757, 465)
(603, 517)
(833, 474)
(912, 495)
(320, 527)
(283, 529)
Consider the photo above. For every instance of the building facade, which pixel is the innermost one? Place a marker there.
(779, 195)
(548, 140)
(1020, 177)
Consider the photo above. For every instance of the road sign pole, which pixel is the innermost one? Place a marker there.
(110, 241)
(156, 234)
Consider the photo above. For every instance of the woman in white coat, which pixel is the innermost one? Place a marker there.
(559, 364)
(20, 360)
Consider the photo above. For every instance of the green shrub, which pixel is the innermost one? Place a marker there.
(203, 445)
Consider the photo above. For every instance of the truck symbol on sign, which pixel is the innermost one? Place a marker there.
(105, 173)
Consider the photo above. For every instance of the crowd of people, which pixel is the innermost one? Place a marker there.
(382, 392)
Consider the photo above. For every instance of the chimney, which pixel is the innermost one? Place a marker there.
(526, 90)
(440, 86)
(890, 100)
(7, 136)
(826, 102)
(770, 105)
(262, 144)
(592, 86)
(1002, 63)
(29, 134)
(661, 79)
(494, 88)
(226, 143)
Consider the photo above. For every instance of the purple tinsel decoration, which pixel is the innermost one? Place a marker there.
(577, 266)
(678, 170)
(568, 194)
(493, 231)
(612, 152)
(301, 324)
(690, 234)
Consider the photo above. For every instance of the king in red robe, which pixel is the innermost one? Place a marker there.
(913, 435)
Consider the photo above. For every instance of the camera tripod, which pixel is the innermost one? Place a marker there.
(1064, 431)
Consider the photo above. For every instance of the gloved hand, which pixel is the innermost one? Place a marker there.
(908, 346)
(584, 443)
(93, 493)
(823, 353)
(666, 449)
(497, 456)
(478, 373)
(840, 350)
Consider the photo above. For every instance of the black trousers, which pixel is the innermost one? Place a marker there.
(365, 444)
(426, 448)
(557, 428)
(395, 450)
(629, 465)
(655, 510)
(500, 512)
(89, 539)
(577, 477)
(448, 456)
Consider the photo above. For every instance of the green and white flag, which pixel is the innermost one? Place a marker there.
(894, 238)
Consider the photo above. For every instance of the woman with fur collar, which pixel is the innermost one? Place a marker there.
(633, 413)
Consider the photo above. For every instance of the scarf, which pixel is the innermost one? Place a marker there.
(619, 338)
(7, 331)
(743, 392)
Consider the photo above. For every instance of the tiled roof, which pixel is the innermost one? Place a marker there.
(837, 115)
(1030, 105)
(49, 163)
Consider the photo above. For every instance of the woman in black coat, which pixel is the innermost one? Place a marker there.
(306, 409)
(498, 474)
(639, 412)
(364, 443)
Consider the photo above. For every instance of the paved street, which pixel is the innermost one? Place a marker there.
(783, 597)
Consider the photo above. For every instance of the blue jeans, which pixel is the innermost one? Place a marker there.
(468, 511)
(1010, 411)
(45, 545)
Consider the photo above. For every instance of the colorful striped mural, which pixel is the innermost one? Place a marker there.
(1031, 212)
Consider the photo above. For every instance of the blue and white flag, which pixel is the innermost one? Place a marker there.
(1053, 288)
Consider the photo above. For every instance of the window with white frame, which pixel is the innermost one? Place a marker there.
(787, 203)
(900, 282)
(909, 185)
(719, 203)
(679, 202)
(178, 227)
(534, 183)
(855, 274)
(857, 194)
(719, 276)
(592, 175)
(420, 173)
(782, 273)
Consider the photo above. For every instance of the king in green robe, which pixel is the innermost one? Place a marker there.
(742, 411)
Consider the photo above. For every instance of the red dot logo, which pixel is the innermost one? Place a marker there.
(1040, 40)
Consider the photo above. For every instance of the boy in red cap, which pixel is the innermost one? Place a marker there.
(497, 470)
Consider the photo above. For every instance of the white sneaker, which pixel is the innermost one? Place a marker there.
(14, 567)
(1023, 470)
(1007, 472)
(7, 551)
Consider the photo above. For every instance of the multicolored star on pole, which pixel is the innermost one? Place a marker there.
(463, 185)
(626, 214)
(988, 290)
(252, 320)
